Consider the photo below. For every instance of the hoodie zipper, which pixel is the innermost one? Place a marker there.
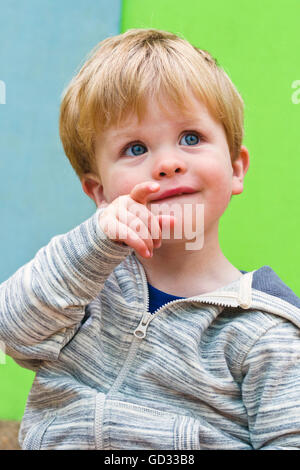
(141, 330)
(243, 301)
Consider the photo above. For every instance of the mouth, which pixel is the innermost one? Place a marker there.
(173, 193)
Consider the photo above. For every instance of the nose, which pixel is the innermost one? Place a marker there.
(167, 166)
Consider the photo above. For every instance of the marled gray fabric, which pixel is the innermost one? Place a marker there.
(216, 371)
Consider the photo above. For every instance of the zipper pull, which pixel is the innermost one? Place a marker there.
(140, 331)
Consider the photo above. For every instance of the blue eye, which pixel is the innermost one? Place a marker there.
(135, 150)
(190, 139)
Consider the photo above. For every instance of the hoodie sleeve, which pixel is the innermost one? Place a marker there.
(42, 304)
(271, 389)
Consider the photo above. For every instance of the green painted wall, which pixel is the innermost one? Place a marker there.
(258, 45)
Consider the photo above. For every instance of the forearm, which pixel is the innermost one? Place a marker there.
(50, 292)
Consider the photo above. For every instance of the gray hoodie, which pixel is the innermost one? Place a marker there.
(214, 371)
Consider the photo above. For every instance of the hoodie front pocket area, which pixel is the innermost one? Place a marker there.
(127, 426)
(68, 428)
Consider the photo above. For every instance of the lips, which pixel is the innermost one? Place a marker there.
(180, 191)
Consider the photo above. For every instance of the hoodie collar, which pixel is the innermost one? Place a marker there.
(259, 289)
(254, 284)
(236, 294)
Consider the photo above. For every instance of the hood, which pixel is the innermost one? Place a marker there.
(267, 281)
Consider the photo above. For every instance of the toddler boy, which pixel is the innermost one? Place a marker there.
(142, 339)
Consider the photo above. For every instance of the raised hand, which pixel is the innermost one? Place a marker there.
(128, 220)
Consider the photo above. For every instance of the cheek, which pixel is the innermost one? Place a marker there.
(218, 184)
(118, 185)
(217, 175)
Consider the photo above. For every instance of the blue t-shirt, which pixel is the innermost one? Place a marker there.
(157, 298)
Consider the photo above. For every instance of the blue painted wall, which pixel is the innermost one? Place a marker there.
(42, 44)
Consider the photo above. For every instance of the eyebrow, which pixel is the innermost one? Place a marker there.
(125, 135)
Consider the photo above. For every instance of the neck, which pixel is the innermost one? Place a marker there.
(186, 273)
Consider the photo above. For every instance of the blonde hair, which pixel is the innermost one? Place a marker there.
(120, 75)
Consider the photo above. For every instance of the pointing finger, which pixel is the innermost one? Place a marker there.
(142, 191)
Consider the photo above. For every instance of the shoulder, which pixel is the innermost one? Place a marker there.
(280, 342)
(248, 324)
(251, 333)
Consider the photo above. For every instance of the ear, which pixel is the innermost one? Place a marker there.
(91, 185)
(240, 167)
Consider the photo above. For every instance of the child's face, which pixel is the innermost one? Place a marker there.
(173, 150)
